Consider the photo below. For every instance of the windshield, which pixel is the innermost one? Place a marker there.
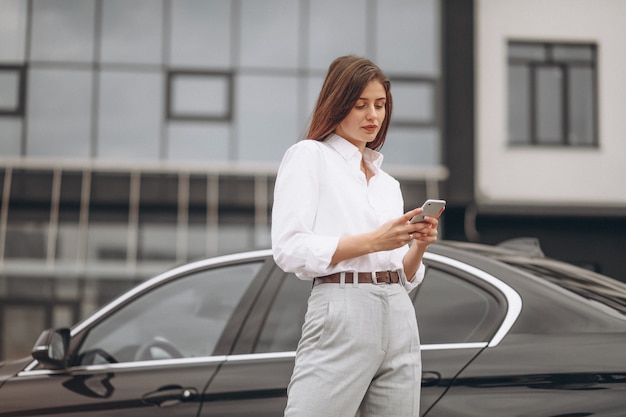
(583, 282)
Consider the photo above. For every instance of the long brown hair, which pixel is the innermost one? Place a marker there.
(346, 79)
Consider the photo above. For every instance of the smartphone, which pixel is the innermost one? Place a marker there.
(432, 208)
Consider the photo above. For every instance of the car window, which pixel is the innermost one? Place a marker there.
(449, 310)
(452, 310)
(283, 325)
(183, 318)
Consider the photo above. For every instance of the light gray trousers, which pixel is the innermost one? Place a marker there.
(359, 354)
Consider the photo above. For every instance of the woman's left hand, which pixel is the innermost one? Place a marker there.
(424, 233)
(421, 234)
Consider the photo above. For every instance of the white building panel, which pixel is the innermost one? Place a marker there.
(553, 176)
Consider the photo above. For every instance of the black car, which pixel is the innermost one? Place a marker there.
(505, 332)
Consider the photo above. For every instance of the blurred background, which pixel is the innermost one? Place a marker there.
(136, 135)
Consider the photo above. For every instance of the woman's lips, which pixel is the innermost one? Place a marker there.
(370, 128)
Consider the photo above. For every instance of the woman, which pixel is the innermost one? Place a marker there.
(336, 213)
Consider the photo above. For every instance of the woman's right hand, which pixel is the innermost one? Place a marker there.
(399, 232)
(388, 236)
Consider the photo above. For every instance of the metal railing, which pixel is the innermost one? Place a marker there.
(262, 175)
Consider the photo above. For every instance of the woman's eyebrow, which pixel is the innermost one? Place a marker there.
(376, 99)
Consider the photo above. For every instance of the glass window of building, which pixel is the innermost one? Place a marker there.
(195, 26)
(330, 21)
(130, 115)
(262, 26)
(11, 78)
(552, 91)
(132, 32)
(415, 49)
(13, 21)
(199, 96)
(63, 30)
(109, 232)
(59, 113)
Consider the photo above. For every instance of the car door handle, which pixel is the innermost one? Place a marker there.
(430, 378)
(169, 396)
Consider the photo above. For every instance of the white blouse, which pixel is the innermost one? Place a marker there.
(320, 195)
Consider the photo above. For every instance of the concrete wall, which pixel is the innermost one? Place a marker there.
(555, 176)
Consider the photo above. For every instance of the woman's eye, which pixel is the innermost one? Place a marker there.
(360, 106)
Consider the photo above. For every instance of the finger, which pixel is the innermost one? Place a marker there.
(411, 213)
(427, 231)
(432, 221)
(421, 226)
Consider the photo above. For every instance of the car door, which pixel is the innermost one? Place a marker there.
(253, 380)
(456, 318)
(151, 355)
(457, 315)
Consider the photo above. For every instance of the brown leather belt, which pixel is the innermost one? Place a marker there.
(382, 277)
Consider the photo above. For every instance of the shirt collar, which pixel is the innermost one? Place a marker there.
(351, 152)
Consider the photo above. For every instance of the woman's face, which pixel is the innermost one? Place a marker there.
(363, 122)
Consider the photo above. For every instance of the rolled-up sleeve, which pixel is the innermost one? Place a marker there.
(411, 283)
(295, 247)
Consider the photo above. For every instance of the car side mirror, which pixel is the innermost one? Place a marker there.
(51, 348)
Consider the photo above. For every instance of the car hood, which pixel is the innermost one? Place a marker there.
(9, 369)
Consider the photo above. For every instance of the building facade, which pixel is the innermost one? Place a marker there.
(536, 109)
(138, 134)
